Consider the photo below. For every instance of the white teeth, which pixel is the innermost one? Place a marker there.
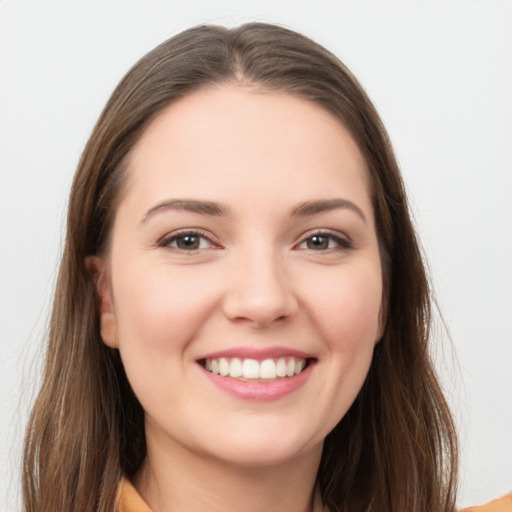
(268, 369)
(252, 369)
(235, 369)
(290, 368)
(223, 366)
(281, 367)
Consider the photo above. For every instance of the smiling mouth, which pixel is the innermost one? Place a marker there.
(266, 370)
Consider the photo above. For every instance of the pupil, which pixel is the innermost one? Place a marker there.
(318, 242)
(188, 242)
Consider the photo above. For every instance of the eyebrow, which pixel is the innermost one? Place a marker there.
(212, 208)
(325, 205)
(187, 205)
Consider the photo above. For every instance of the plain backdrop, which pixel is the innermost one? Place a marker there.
(440, 74)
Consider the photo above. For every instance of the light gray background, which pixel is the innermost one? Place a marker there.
(440, 73)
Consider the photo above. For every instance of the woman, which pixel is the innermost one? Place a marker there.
(242, 313)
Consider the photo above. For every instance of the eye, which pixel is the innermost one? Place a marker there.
(322, 241)
(188, 241)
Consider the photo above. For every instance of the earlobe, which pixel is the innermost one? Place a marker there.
(108, 330)
(96, 267)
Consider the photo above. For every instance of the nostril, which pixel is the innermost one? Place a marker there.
(259, 308)
(259, 289)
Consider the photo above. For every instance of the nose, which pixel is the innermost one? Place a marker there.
(260, 290)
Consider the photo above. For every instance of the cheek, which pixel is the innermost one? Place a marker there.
(347, 306)
(159, 314)
(160, 309)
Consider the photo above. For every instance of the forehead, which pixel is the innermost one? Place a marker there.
(240, 138)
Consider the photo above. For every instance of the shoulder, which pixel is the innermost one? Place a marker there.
(503, 504)
(128, 499)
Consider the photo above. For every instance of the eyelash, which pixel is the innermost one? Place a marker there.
(168, 240)
(340, 242)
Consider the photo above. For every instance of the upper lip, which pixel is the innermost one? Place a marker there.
(257, 353)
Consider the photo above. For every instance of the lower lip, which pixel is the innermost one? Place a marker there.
(259, 391)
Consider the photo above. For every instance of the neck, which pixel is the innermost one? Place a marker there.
(183, 481)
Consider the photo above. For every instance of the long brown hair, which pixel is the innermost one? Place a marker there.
(395, 449)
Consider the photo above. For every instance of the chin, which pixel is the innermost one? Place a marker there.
(258, 458)
(257, 450)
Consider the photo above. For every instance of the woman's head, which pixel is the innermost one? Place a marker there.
(366, 457)
(244, 240)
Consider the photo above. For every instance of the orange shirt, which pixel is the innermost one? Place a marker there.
(500, 505)
(129, 500)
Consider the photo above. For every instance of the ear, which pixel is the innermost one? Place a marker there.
(97, 268)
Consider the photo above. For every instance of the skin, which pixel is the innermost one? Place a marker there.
(257, 279)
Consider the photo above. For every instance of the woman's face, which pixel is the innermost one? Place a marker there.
(243, 282)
